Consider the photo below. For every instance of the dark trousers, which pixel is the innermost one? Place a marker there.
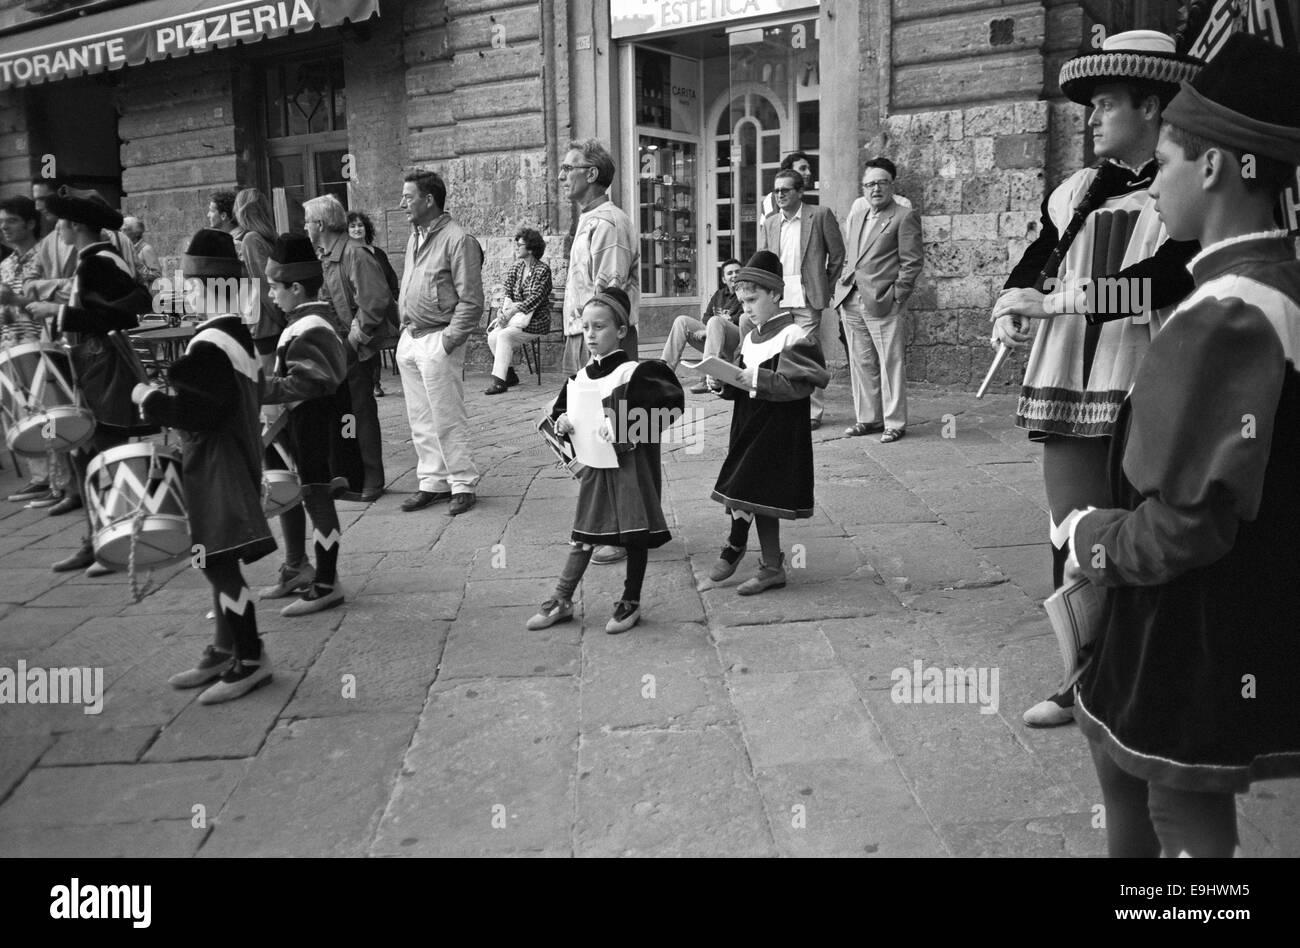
(361, 386)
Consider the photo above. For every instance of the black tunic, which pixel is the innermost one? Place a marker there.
(216, 407)
(1192, 683)
(769, 465)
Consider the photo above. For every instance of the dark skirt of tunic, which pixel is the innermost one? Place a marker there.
(769, 467)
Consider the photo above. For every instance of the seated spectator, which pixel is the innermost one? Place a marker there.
(687, 330)
(527, 308)
(147, 267)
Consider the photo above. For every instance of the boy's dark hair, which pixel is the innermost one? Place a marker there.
(884, 164)
(759, 287)
(787, 163)
(225, 202)
(19, 205)
(310, 286)
(534, 243)
(1138, 91)
(430, 183)
(1270, 177)
(728, 262)
(52, 183)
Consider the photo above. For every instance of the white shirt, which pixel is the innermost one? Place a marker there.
(792, 260)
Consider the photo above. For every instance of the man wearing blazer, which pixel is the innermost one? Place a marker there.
(807, 239)
(883, 263)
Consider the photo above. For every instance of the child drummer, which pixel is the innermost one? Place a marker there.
(216, 408)
(309, 375)
(768, 472)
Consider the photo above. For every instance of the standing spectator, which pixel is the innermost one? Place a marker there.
(252, 211)
(360, 228)
(795, 161)
(355, 284)
(527, 308)
(221, 214)
(441, 303)
(147, 267)
(55, 261)
(19, 224)
(605, 251)
(687, 330)
(807, 239)
(884, 240)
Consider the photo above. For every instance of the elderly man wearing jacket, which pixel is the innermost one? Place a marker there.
(441, 302)
(356, 285)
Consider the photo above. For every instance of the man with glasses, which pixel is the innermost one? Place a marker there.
(606, 248)
(807, 239)
(886, 256)
(356, 285)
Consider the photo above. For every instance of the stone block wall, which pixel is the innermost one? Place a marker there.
(976, 176)
(16, 169)
(180, 140)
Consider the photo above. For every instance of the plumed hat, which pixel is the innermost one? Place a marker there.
(1247, 98)
(83, 207)
(1135, 55)
(763, 269)
(211, 253)
(616, 300)
(293, 260)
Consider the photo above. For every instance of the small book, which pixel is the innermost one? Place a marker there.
(1077, 613)
(725, 371)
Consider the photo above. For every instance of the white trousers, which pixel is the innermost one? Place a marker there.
(435, 408)
(503, 342)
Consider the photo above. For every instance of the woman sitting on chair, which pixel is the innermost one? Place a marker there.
(527, 308)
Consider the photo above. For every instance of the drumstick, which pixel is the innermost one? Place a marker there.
(998, 359)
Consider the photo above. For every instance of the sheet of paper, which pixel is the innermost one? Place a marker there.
(586, 412)
(724, 371)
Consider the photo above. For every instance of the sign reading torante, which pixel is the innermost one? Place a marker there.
(155, 30)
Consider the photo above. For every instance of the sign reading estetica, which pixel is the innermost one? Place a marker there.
(638, 17)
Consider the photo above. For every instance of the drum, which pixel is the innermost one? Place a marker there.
(131, 482)
(281, 486)
(41, 409)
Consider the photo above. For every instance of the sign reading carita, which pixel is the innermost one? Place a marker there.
(636, 17)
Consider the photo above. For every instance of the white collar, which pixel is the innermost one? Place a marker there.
(791, 220)
(1238, 239)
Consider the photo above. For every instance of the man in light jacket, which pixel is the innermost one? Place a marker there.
(440, 304)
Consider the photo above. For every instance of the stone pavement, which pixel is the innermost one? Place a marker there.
(422, 719)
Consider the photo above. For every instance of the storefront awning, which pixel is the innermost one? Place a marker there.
(159, 29)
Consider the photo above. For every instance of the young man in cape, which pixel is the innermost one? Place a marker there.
(1098, 223)
(1189, 695)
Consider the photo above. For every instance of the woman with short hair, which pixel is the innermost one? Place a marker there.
(526, 311)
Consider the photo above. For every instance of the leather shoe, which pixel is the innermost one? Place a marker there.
(461, 503)
(1048, 714)
(66, 505)
(892, 434)
(371, 494)
(862, 428)
(815, 423)
(497, 387)
(512, 377)
(425, 498)
(79, 560)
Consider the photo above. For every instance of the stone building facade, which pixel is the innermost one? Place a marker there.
(699, 101)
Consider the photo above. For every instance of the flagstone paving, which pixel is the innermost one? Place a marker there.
(421, 718)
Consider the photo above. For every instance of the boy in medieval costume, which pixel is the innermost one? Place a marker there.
(1098, 223)
(767, 475)
(215, 406)
(310, 376)
(1189, 697)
